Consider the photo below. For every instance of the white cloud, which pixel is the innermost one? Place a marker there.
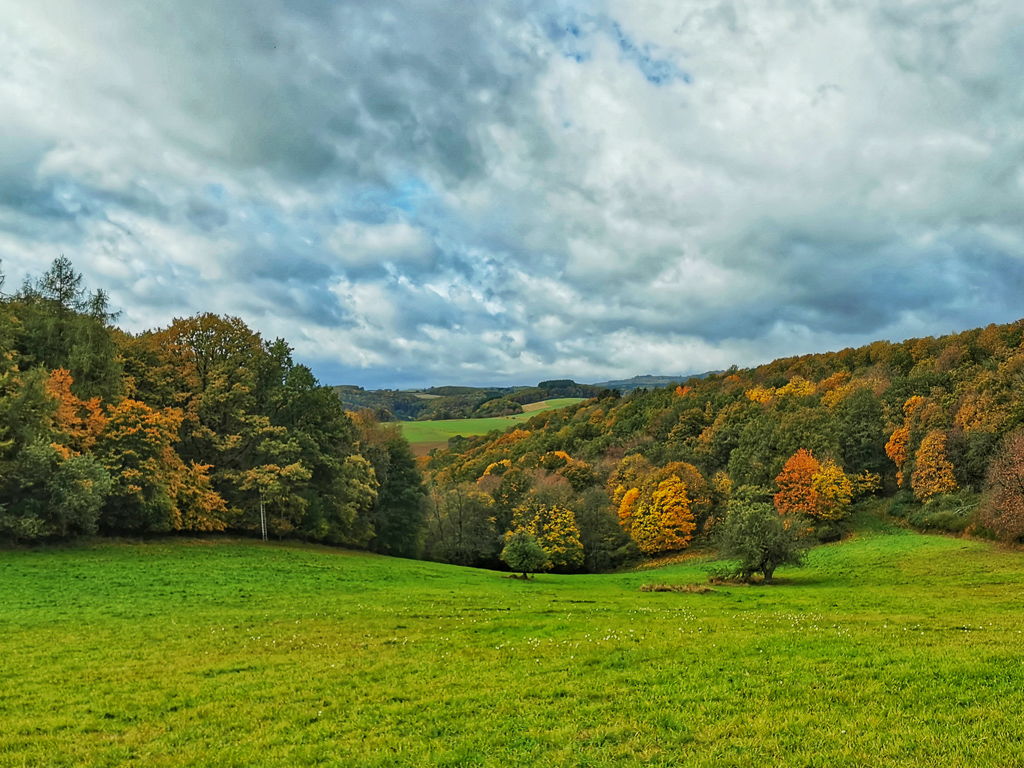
(360, 245)
(505, 192)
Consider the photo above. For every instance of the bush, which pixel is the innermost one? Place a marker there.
(950, 512)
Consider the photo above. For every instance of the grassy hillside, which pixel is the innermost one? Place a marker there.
(894, 649)
(424, 435)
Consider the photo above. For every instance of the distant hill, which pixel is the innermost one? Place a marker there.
(449, 402)
(651, 382)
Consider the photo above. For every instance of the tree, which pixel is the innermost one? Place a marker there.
(933, 473)
(397, 515)
(136, 449)
(807, 487)
(1002, 507)
(554, 528)
(523, 553)
(833, 489)
(656, 506)
(755, 535)
(797, 494)
(460, 526)
(663, 521)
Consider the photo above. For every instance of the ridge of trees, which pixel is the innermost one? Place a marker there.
(204, 425)
(936, 425)
(198, 426)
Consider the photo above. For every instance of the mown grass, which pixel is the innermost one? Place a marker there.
(417, 432)
(891, 649)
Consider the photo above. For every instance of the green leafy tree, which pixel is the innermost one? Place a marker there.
(522, 553)
(754, 535)
(460, 526)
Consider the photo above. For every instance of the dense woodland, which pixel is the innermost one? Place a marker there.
(193, 427)
(933, 426)
(199, 426)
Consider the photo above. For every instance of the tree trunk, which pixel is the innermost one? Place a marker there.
(768, 575)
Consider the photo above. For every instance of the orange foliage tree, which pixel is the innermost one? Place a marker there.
(80, 421)
(809, 487)
(151, 487)
(797, 494)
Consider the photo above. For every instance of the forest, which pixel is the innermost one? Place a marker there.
(195, 427)
(928, 430)
(201, 426)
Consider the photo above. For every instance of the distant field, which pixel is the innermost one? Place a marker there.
(424, 435)
(890, 650)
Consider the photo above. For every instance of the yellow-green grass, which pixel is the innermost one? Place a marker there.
(889, 650)
(436, 433)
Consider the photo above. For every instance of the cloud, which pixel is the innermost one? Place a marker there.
(359, 244)
(509, 191)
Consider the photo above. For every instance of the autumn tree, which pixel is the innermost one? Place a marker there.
(136, 449)
(659, 507)
(555, 530)
(933, 473)
(80, 422)
(797, 492)
(663, 520)
(809, 487)
(1002, 507)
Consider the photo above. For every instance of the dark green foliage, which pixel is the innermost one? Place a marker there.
(755, 536)
(190, 427)
(63, 326)
(860, 424)
(522, 553)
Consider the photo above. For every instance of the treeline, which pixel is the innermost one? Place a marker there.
(935, 424)
(437, 403)
(198, 426)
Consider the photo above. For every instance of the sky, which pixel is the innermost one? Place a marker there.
(436, 192)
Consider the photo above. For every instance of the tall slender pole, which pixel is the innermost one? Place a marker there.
(263, 517)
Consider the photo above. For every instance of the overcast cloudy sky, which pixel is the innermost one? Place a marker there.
(416, 192)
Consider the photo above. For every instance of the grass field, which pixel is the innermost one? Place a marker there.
(424, 435)
(892, 649)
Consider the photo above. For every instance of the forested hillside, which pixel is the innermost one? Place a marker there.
(193, 427)
(934, 425)
(442, 403)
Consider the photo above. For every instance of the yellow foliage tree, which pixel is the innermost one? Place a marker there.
(934, 473)
(833, 489)
(554, 527)
(663, 521)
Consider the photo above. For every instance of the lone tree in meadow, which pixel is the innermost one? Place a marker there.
(755, 535)
(523, 553)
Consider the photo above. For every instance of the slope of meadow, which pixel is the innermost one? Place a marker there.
(890, 649)
(424, 435)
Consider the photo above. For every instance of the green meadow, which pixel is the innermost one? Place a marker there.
(434, 434)
(893, 648)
